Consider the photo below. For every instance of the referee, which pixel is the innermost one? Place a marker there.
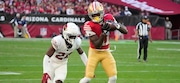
(143, 34)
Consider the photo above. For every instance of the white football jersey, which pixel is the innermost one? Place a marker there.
(61, 51)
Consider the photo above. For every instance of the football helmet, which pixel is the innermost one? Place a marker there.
(96, 11)
(70, 32)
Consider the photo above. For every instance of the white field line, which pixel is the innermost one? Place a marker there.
(24, 39)
(25, 48)
(167, 42)
(119, 64)
(20, 65)
(20, 79)
(133, 56)
(85, 40)
(146, 64)
(72, 79)
(98, 71)
(19, 55)
(129, 55)
(9, 73)
(168, 49)
(146, 71)
(2, 73)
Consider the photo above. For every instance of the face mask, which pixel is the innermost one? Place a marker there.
(97, 19)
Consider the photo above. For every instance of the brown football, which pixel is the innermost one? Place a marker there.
(112, 26)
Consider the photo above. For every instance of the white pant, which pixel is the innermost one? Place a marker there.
(57, 71)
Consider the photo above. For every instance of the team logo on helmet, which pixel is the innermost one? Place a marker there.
(70, 32)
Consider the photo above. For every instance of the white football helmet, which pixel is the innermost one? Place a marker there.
(96, 11)
(70, 32)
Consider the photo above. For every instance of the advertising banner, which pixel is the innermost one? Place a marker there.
(45, 26)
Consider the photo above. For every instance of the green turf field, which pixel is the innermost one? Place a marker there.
(21, 62)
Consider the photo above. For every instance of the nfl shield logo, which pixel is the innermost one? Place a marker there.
(43, 31)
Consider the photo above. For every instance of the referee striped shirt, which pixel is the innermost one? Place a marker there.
(143, 29)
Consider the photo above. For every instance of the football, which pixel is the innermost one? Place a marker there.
(112, 26)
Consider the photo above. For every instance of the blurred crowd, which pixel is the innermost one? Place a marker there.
(68, 7)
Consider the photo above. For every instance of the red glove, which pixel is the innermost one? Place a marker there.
(45, 78)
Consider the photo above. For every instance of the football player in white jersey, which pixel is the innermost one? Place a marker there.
(56, 58)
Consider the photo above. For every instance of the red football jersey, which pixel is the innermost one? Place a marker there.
(92, 28)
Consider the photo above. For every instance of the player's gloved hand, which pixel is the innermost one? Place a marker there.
(106, 27)
(45, 78)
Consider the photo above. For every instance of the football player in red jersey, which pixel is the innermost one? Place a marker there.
(97, 29)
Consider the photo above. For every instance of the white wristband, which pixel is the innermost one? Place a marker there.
(117, 25)
(84, 58)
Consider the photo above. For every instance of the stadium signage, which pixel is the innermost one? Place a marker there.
(79, 19)
(68, 19)
(37, 19)
(55, 19)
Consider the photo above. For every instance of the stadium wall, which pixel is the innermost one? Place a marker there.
(45, 25)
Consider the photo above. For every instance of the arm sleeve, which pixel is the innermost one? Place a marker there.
(45, 64)
(84, 58)
(170, 25)
(55, 43)
(83, 55)
(137, 26)
(78, 40)
(11, 21)
(16, 23)
(88, 30)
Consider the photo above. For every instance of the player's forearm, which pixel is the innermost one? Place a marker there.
(98, 43)
(122, 29)
(136, 34)
(11, 21)
(149, 35)
(16, 23)
(84, 58)
(45, 64)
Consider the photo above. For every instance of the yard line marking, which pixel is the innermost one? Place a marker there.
(146, 71)
(123, 79)
(23, 39)
(18, 79)
(127, 64)
(93, 79)
(168, 49)
(167, 42)
(85, 40)
(20, 65)
(9, 73)
(98, 71)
